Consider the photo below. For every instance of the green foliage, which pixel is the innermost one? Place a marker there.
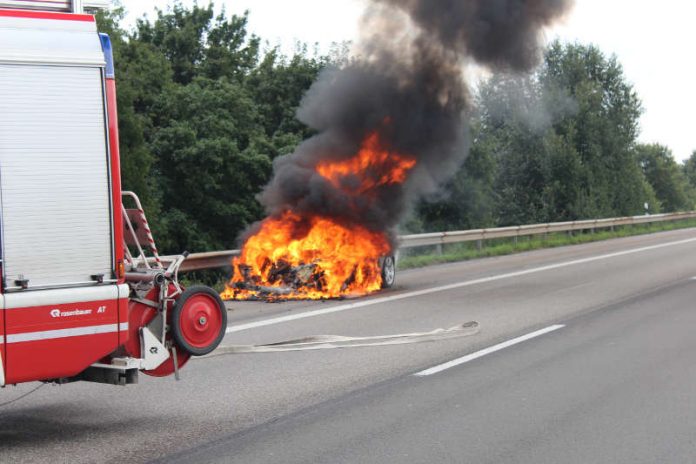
(470, 199)
(277, 86)
(603, 130)
(559, 144)
(689, 169)
(666, 178)
(208, 158)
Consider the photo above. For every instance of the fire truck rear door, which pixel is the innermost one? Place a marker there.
(54, 177)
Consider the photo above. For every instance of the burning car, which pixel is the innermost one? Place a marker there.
(332, 249)
(304, 281)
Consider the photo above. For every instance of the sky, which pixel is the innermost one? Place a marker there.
(652, 41)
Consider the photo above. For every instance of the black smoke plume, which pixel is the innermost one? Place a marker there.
(408, 84)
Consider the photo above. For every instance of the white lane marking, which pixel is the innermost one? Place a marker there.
(428, 291)
(485, 351)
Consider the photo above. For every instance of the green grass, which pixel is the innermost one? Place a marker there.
(498, 247)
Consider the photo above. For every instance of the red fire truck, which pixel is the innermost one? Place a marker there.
(84, 293)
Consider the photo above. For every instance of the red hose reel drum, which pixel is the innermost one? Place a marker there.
(197, 322)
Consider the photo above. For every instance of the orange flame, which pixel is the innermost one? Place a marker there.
(343, 261)
(297, 256)
(373, 167)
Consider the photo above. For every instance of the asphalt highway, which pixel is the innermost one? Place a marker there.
(584, 354)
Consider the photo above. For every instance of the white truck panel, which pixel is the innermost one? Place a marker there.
(50, 41)
(54, 178)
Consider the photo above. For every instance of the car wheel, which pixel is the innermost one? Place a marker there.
(388, 271)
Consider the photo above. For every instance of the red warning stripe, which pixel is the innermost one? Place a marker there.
(46, 15)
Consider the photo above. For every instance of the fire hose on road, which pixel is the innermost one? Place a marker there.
(327, 342)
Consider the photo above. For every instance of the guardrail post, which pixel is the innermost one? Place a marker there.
(479, 245)
(438, 249)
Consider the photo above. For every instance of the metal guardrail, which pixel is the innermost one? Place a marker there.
(220, 259)
(441, 238)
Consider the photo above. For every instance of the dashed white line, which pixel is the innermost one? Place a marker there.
(427, 291)
(486, 351)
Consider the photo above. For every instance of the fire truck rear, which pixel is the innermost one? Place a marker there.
(84, 294)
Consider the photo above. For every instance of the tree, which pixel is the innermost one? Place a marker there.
(689, 169)
(230, 51)
(277, 85)
(667, 180)
(178, 35)
(469, 200)
(198, 44)
(603, 127)
(560, 144)
(514, 125)
(206, 145)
